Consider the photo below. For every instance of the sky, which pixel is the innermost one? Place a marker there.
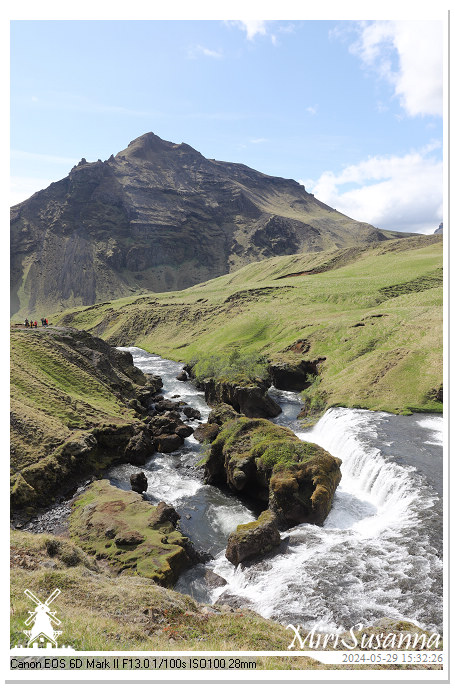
(350, 109)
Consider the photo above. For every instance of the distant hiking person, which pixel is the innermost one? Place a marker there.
(36, 324)
(26, 323)
(45, 322)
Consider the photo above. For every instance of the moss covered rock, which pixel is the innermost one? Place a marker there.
(253, 539)
(133, 536)
(255, 457)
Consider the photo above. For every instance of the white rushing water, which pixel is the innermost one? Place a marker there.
(377, 554)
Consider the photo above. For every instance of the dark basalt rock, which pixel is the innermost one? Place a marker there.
(165, 405)
(222, 413)
(213, 580)
(183, 430)
(164, 513)
(182, 376)
(167, 443)
(206, 432)
(191, 412)
(129, 537)
(294, 376)
(138, 482)
(253, 539)
(139, 448)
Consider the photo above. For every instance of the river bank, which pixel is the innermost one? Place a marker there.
(379, 552)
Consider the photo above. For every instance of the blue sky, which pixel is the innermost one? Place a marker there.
(353, 110)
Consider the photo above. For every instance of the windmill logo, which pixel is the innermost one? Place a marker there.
(42, 621)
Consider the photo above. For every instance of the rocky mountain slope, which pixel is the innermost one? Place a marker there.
(159, 216)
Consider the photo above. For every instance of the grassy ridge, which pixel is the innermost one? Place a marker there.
(52, 395)
(374, 313)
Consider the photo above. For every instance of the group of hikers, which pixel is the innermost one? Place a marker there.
(34, 324)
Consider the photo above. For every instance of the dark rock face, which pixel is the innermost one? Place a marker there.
(253, 539)
(183, 430)
(252, 400)
(259, 459)
(293, 377)
(164, 513)
(191, 412)
(128, 537)
(139, 447)
(213, 580)
(206, 432)
(167, 443)
(182, 376)
(138, 482)
(166, 214)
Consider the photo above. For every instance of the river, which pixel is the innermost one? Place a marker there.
(379, 552)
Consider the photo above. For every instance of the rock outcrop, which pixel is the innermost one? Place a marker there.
(295, 376)
(250, 399)
(259, 459)
(133, 536)
(253, 539)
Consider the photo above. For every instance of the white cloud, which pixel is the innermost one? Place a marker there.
(255, 27)
(22, 187)
(408, 54)
(397, 193)
(258, 140)
(312, 110)
(197, 51)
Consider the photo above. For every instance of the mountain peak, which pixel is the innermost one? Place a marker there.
(148, 145)
(160, 216)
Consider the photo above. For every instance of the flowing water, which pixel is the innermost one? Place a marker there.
(379, 551)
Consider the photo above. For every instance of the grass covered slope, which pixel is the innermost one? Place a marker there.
(374, 314)
(100, 611)
(69, 393)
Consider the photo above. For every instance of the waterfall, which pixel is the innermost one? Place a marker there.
(378, 552)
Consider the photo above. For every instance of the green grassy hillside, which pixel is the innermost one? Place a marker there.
(69, 392)
(374, 313)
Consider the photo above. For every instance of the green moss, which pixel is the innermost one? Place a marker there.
(104, 513)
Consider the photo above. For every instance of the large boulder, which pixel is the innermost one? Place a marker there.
(253, 539)
(167, 443)
(138, 482)
(269, 463)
